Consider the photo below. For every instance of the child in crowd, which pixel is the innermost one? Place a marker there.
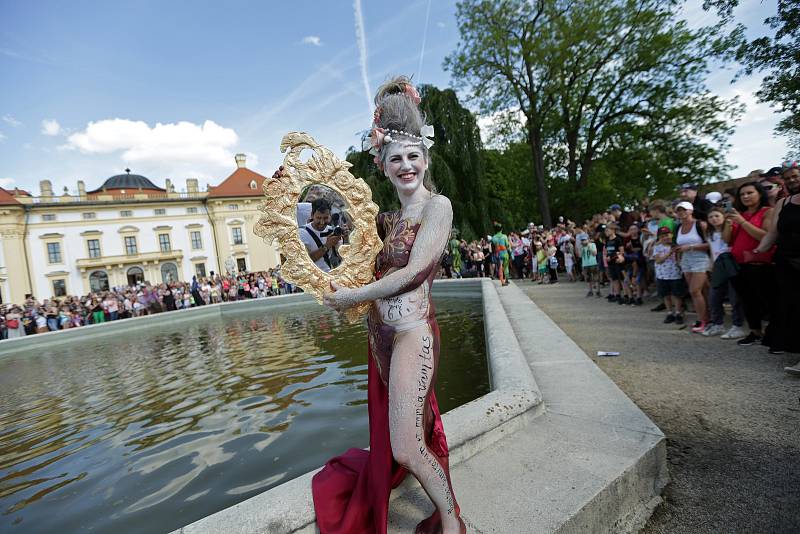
(589, 265)
(669, 278)
(569, 258)
(724, 269)
(614, 261)
(541, 261)
(552, 263)
(634, 267)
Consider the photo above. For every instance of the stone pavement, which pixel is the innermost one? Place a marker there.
(591, 463)
(731, 414)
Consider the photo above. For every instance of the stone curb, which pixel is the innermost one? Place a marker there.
(164, 319)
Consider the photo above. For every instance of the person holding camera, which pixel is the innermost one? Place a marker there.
(322, 240)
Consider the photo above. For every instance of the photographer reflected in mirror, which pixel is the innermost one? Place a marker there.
(320, 238)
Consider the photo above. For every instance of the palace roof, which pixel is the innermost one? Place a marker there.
(7, 199)
(242, 183)
(127, 181)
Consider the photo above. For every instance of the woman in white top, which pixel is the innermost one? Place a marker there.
(694, 260)
(721, 286)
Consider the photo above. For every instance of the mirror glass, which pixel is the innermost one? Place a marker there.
(323, 223)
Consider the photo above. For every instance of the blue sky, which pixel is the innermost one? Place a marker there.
(173, 89)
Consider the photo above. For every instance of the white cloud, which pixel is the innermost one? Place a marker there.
(163, 145)
(312, 40)
(2, 137)
(441, 24)
(11, 120)
(6, 183)
(51, 127)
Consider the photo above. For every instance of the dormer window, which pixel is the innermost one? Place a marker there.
(253, 184)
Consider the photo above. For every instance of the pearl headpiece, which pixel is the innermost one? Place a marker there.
(378, 137)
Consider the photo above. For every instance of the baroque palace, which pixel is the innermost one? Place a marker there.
(126, 231)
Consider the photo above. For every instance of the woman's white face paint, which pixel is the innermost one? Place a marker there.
(405, 166)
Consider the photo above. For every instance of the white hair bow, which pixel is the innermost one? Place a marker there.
(427, 135)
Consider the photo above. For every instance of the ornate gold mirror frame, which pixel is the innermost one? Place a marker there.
(279, 220)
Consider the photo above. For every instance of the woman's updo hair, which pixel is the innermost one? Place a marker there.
(397, 108)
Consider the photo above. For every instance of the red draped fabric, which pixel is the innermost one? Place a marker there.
(351, 493)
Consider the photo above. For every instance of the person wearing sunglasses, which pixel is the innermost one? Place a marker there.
(772, 182)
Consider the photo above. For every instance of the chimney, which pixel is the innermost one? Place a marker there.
(241, 161)
(191, 185)
(46, 188)
(81, 189)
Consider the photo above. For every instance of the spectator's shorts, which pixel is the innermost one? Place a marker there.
(637, 275)
(615, 271)
(674, 288)
(695, 261)
(590, 273)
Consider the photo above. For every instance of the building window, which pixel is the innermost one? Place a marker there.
(94, 248)
(200, 269)
(253, 184)
(126, 213)
(241, 264)
(233, 207)
(197, 241)
(46, 217)
(191, 211)
(98, 281)
(130, 245)
(89, 215)
(54, 252)
(237, 236)
(169, 273)
(160, 211)
(163, 242)
(59, 288)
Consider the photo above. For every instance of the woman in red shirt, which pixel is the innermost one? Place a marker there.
(751, 220)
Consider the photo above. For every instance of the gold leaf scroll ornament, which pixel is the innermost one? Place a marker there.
(279, 220)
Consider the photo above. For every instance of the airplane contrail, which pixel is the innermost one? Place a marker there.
(362, 51)
(424, 40)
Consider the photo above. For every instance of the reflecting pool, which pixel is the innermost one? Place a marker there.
(150, 431)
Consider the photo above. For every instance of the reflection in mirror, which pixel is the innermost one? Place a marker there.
(324, 225)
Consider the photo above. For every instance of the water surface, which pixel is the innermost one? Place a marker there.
(149, 431)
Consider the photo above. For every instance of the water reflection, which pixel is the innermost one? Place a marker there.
(150, 431)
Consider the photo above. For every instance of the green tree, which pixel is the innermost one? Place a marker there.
(620, 82)
(631, 71)
(457, 158)
(509, 189)
(500, 57)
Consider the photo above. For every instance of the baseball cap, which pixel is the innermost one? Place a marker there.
(615, 207)
(685, 205)
(664, 230)
(714, 197)
(689, 186)
(774, 171)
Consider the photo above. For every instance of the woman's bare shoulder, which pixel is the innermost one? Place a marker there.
(439, 202)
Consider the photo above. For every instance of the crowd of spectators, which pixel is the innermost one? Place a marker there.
(698, 252)
(735, 252)
(34, 316)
